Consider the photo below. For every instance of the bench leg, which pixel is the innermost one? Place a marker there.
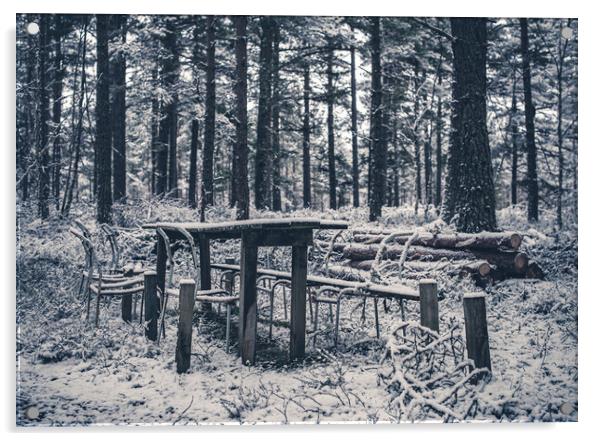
(228, 324)
(336, 323)
(98, 297)
(316, 323)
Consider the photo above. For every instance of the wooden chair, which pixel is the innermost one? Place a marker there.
(212, 296)
(101, 285)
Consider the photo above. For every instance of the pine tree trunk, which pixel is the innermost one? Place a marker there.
(276, 178)
(306, 134)
(207, 198)
(439, 153)
(57, 92)
(332, 178)
(118, 112)
(174, 73)
(103, 121)
(194, 147)
(532, 183)
(514, 140)
(240, 190)
(469, 196)
(44, 116)
(416, 133)
(264, 148)
(354, 145)
(379, 150)
(155, 146)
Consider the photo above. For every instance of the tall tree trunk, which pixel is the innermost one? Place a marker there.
(194, 130)
(207, 197)
(171, 44)
(194, 147)
(560, 135)
(276, 178)
(379, 151)
(103, 121)
(416, 134)
(155, 117)
(77, 129)
(264, 147)
(332, 178)
(44, 116)
(469, 196)
(240, 190)
(439, 140)
(532, 183)
(354, 146)
(118, 111)
(306, 139)
(514, 140)
(57, 92)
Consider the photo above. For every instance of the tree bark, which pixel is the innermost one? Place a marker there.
(103, 121)
(207, 197)
(354, 145)
(240, 190)
(263, 159)
(306, 139)
(171, 44)
(276, 178)
(118, 111)
(532, 183)
(379, 151)
(332, 177)
(514, 140)
(44, 116)
(469, 197)
(57, 92)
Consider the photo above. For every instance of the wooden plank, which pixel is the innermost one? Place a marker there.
(477, 336)
(280, 237)
(298, 302)
(184, 341)
(429, 304)
(151, 305)
(248, 301)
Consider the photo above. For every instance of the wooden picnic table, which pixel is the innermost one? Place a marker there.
(294, 232)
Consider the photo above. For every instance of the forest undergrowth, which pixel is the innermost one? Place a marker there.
(72, 373)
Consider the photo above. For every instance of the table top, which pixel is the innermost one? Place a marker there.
(237, 227)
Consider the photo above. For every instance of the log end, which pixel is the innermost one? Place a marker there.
(521, 262)
(515, 240)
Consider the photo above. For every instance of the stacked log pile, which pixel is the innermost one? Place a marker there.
(486, 256)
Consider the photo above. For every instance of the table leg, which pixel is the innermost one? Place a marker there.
(298, 301)
(205, 269)
(248, 301)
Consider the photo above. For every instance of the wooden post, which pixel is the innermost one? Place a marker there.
(205, 269)
(248, 300)
(298, 302)
(161, 265)
(126, 307)
(475, 323)
(429, 304)
(151, 305)
(184, 343)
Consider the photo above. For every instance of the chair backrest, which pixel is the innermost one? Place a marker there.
(111, 234)
(193, 250)
(88, 248)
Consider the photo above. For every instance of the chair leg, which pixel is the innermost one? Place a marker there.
(336, 323)
(141, 308)
(285, 303)
(81, 286)
(228, 311)
(311, 312)
(88, 301)
(376, 317)
(363, 317)
(316, 323)
(98, 298)
(330, 313)
(271, 313)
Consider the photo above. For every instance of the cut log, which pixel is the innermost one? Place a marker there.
(480, 241)
(367, 252)
(534, 271)
(465, 267)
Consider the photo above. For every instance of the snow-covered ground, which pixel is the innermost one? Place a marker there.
(73, 374)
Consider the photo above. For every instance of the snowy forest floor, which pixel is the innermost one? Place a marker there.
(75, 374)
